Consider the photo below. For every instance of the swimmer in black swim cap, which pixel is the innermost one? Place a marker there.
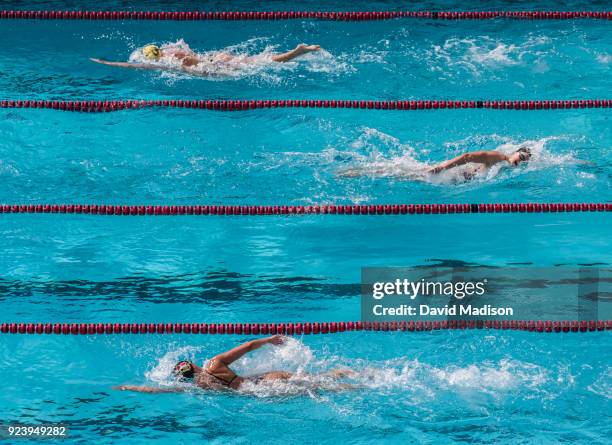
(485, 158)
(482, 160)
(217, 375)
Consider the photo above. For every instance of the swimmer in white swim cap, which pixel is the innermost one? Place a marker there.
(217, 375)
(179, 57)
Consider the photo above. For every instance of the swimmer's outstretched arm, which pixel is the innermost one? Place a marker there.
(481, 157)
(234, 354)
(139, 66)
(298, 51)
(149, 389)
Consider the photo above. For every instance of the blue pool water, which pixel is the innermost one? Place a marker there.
(439, 387)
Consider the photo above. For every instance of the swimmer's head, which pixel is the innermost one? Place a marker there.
(523, 154)
(184, 370)
(151, 52)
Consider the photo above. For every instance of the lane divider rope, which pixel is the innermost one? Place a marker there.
(93, 106)
(300, 328)
(342, 209)
(286, 15)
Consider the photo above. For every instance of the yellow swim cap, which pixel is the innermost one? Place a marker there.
(151, 52)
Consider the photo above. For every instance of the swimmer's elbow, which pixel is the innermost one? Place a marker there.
(468, 157)
(459, 160)
(478, 157)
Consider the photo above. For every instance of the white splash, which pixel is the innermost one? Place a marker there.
(603, 385)
(604, 58)
(161, 373)
(7, 169)
(292, 356)
(477, 53)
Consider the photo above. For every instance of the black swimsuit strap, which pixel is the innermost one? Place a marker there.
(225, 382)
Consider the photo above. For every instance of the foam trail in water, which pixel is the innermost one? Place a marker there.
(312, 376)
(484, 52)
(375, 153)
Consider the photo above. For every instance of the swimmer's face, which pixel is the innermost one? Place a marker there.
(518, 156)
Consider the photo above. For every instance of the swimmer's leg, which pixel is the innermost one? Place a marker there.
(339, 373)
(335, 374)
(299, 50)
(357, 172)
(282, 375)
(339, 387)
(224, 57)
(350, 173)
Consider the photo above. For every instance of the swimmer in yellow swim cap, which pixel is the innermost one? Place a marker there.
(151, 52)
(179, 56)
(217, 375)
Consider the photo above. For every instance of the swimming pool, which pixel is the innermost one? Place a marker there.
(433, 387)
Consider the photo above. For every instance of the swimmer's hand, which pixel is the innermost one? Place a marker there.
(276, 340)
(302, 47)
(434, 170)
